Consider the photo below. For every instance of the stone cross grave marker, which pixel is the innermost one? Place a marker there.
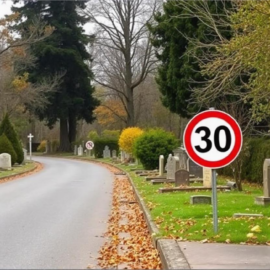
(207, 177)
(75, 150)
(181, 178)
(5, 161)
(200, 199)
(161, 165)
(181, 153)
(172, 166)
(194, 169)
(80, 151)
(106, 152)
(24, 155)
(114, 154)
(265, 199)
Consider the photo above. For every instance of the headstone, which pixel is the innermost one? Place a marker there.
(181, 153)
(194, 169)
(48, 147)
(24, 155)
(75, 150)
(106, 152)
(5, 161)
(200, 199)
(161, 165)
(207, 177)
(122, 153)
(265, 199)
(172, 166)
(181, 178)
(114, 154)
(80, 151)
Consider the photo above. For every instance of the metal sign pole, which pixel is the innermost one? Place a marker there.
(214, 200)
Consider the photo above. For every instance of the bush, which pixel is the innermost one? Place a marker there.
(6, 147)
(92, 135)
(7, 128)
(153, 143)
(42, 146)
(100, 144)
(128, 137)
(110, 134)
(252, 169)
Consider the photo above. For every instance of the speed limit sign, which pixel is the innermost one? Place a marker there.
(213, 139)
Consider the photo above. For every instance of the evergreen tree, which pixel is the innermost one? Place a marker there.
(6, 147)
(179, 72)
(7, 128)
(63, 52)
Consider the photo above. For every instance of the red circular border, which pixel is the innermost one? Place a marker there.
(213, 164)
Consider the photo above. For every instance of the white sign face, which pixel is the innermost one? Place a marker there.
(89, 145)
(213, 139)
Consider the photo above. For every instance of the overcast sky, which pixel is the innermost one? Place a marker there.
(5, 6)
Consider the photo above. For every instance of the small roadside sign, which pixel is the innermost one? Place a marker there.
(89, 145)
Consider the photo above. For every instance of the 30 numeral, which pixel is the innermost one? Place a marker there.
(208, 142)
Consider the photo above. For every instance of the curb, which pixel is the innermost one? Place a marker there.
(170, 253)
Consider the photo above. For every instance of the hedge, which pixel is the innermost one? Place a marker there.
(252, 170)
(100, 144)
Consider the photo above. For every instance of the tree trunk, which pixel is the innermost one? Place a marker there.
(130, 112)
(64, 140)
(72, 125)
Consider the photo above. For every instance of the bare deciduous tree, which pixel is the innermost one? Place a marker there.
(123, 54)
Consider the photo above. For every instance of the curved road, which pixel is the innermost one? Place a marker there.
(54, 219)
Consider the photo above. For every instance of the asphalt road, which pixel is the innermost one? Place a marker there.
(54, 219)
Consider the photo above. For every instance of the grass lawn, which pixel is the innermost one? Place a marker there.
(177, 218)
(15, 170)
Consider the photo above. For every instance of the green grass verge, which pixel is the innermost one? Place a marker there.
(177, 218)
(17, 170)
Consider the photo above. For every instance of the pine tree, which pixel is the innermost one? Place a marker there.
(7, 144)
(179, 72)
(63, 52)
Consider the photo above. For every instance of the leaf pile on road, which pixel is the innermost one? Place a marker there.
(129, 244)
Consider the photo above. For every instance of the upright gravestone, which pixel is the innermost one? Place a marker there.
(172, 166)
(106, 152)
(181, 178)
(80, 151)
(194, 169)
(265, 199)
(161, 165)
(207, 177)
(114, 154)
(24, 155)
(48, 147)
(75, 150)
(181, 153)
(5, 161)
(122, 156)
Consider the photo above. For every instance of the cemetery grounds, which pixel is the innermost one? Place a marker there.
(176, 218)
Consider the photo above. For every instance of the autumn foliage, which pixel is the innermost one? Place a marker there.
(110, 112)
(128, 137)
(129, 243)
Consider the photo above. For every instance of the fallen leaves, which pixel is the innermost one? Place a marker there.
(129, 244)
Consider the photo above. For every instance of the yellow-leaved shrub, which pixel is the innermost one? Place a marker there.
(128, 137)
